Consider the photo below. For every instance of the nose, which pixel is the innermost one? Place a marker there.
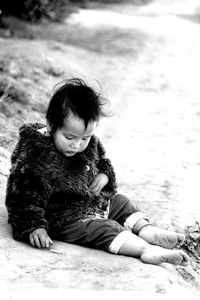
(76, 145)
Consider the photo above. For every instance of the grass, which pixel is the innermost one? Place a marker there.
(104, 40)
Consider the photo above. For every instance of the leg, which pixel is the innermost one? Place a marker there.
(121, 208)
(95, 233)
(137, 247)
(125, 212)
(110, 236)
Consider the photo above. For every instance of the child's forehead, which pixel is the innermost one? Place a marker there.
(76, 126)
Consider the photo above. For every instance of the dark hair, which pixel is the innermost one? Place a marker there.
(76, 97)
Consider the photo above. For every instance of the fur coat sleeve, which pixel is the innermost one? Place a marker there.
(26, 201)
(26, 197)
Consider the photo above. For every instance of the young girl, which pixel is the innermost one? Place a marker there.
(62, 186)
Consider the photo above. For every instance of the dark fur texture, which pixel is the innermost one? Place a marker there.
(45, 189)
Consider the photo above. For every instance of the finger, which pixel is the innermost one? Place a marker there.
(50, 241)
(97, 188)
(47, 242)
(36, 241)
(98, 191)
(31, 240)
(95, 191)
(43, 241)
(93, 185)
(94, 182)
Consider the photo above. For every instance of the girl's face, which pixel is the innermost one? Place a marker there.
(73, 137)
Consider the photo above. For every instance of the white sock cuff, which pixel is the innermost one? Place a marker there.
(133, 219)
(119, 240)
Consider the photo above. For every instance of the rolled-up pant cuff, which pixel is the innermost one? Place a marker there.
(119, 241)
(132, 223)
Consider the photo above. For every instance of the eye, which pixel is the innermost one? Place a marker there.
(69, 138)
(86, 138)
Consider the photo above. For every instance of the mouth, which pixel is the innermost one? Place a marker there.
(70, 153)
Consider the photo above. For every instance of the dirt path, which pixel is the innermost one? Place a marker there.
(150, 72)
(153, 137)
(147, 61)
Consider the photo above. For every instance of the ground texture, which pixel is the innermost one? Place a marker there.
(147, 61)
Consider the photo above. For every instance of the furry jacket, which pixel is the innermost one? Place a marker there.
(47, 190)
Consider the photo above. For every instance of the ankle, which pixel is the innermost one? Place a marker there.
(148, 248)
(135, 222)
(140, 225)
(143, 228)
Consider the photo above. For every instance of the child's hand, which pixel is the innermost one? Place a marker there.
(98, 183)
(40, 238)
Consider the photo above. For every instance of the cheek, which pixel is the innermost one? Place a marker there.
(84, 144)
(61, 143)
(65, 143)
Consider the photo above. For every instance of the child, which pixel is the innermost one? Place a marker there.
(62, 186)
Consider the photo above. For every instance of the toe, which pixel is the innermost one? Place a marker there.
(186, 259)
(181, 238)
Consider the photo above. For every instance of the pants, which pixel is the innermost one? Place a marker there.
(105, 234)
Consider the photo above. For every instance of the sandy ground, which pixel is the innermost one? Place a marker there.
(153, 136)
(151, 79)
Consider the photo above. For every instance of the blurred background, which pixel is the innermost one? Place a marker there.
(145, 55)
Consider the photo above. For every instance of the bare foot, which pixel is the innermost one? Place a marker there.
(161, 237)
(157, 255)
